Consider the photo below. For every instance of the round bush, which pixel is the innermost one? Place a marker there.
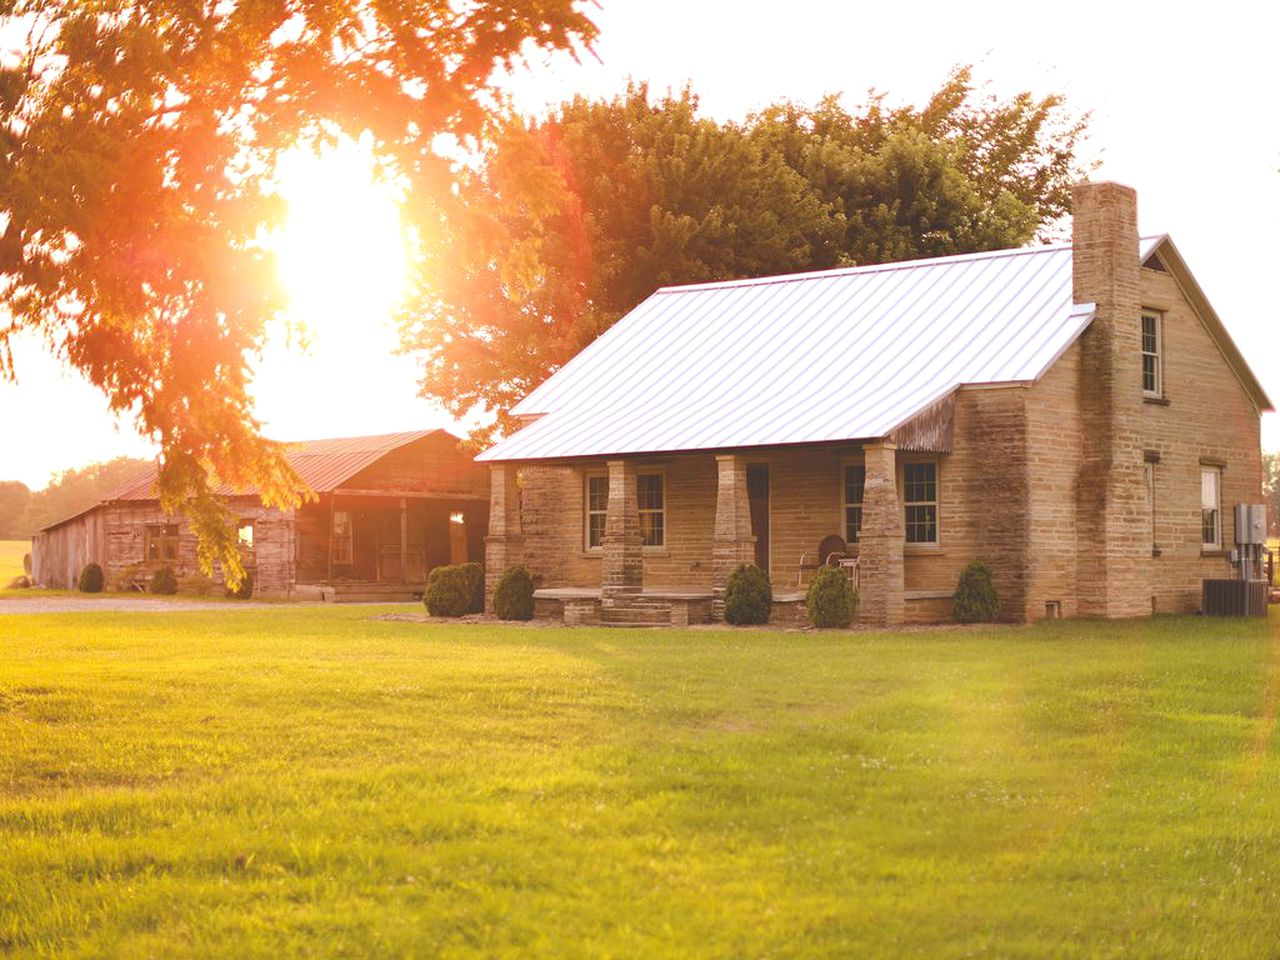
(473, 576)
(976, 600)
(747, 596)
(91, 578)
(450, 592)
(513, 596)
(244, 591)
(831, 601)
(164, 582)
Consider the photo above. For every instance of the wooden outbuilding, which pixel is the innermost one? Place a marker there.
(387, 509)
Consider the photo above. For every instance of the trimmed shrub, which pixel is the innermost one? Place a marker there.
(831, 600)
(976, 600)
(197, 584)
(91, 579)
(164, 582)
(242, 592)
(451, 591)
(513, 596)
(747, 596)
(20, 583)
(473, 575)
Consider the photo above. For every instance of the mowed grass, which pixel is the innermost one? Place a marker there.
(11, 553)
(310, 782)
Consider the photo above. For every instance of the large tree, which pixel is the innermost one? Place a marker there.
(1271, 490)
(137, 138)
(570, 220)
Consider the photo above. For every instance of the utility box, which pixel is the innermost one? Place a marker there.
(1251, 524)
(1234, 598)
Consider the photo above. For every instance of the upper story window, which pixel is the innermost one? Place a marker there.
(855, 481)
(1152, 335)
(920, 499)
(1211, 508)
(161, 542)
(651, 502)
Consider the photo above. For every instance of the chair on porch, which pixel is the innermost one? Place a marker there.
(831, 552)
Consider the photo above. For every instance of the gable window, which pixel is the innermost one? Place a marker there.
(160, 542)
(343, 540)
(1152, 385)
(855, 480)
(651, 500)
(920, 499)
(1211, 508)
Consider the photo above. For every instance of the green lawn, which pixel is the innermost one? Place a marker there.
(308, 782)
(11, 552)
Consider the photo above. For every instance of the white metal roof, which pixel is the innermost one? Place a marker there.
(835, 355)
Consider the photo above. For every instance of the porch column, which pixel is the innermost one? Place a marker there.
(622, 575)
(734, 544)
(404, 540)
(504, 546)
(880, 570)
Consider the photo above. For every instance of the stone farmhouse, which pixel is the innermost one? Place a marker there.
(1074, 415)
(387, 509)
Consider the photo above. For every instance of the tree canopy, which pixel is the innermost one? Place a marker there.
(572, 219)
(137, 142)
(23, 511)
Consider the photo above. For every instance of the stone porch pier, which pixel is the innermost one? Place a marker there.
(504, 546)
(882, 593)
(622, 570)
(734, 543)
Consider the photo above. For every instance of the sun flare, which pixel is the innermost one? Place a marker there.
(342, 254)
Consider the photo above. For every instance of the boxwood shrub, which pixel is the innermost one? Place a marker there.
(163, 581)
(91, 579)
(451, 590)
(513, 596)
(976, 600)
(747, 596)
(473, 574)
(831, 600)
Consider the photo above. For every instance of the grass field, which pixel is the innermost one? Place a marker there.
(309, 782)
(11, 552)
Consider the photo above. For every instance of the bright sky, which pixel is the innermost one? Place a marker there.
(1183, 111)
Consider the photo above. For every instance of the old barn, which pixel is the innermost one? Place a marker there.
(387, 509)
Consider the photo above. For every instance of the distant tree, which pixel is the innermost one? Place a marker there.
(14, 497)
(570, 221)
(1271, 490)
(137, 139)
(74, 490)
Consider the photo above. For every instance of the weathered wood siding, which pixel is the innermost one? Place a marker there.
(58, 555)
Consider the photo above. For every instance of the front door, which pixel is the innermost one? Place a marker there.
(758, 497)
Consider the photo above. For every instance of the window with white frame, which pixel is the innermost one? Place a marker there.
(597, 500)
(855, 481)
(1151, 337)
(1211, 508)
(652, 502)
(920, 500)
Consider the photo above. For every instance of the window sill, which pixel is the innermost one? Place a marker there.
(1156, 401)
(644, 551)
(1213, 552)
(922, 550)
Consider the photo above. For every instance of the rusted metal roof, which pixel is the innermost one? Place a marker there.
(835, 355)
(323, 465)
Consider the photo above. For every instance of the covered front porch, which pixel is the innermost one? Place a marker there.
(650, 540)
(363, 546)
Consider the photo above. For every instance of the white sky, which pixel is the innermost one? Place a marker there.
(1183, 104)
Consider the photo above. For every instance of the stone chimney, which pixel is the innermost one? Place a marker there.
(1113, 527)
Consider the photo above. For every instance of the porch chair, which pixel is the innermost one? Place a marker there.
(831, 552)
